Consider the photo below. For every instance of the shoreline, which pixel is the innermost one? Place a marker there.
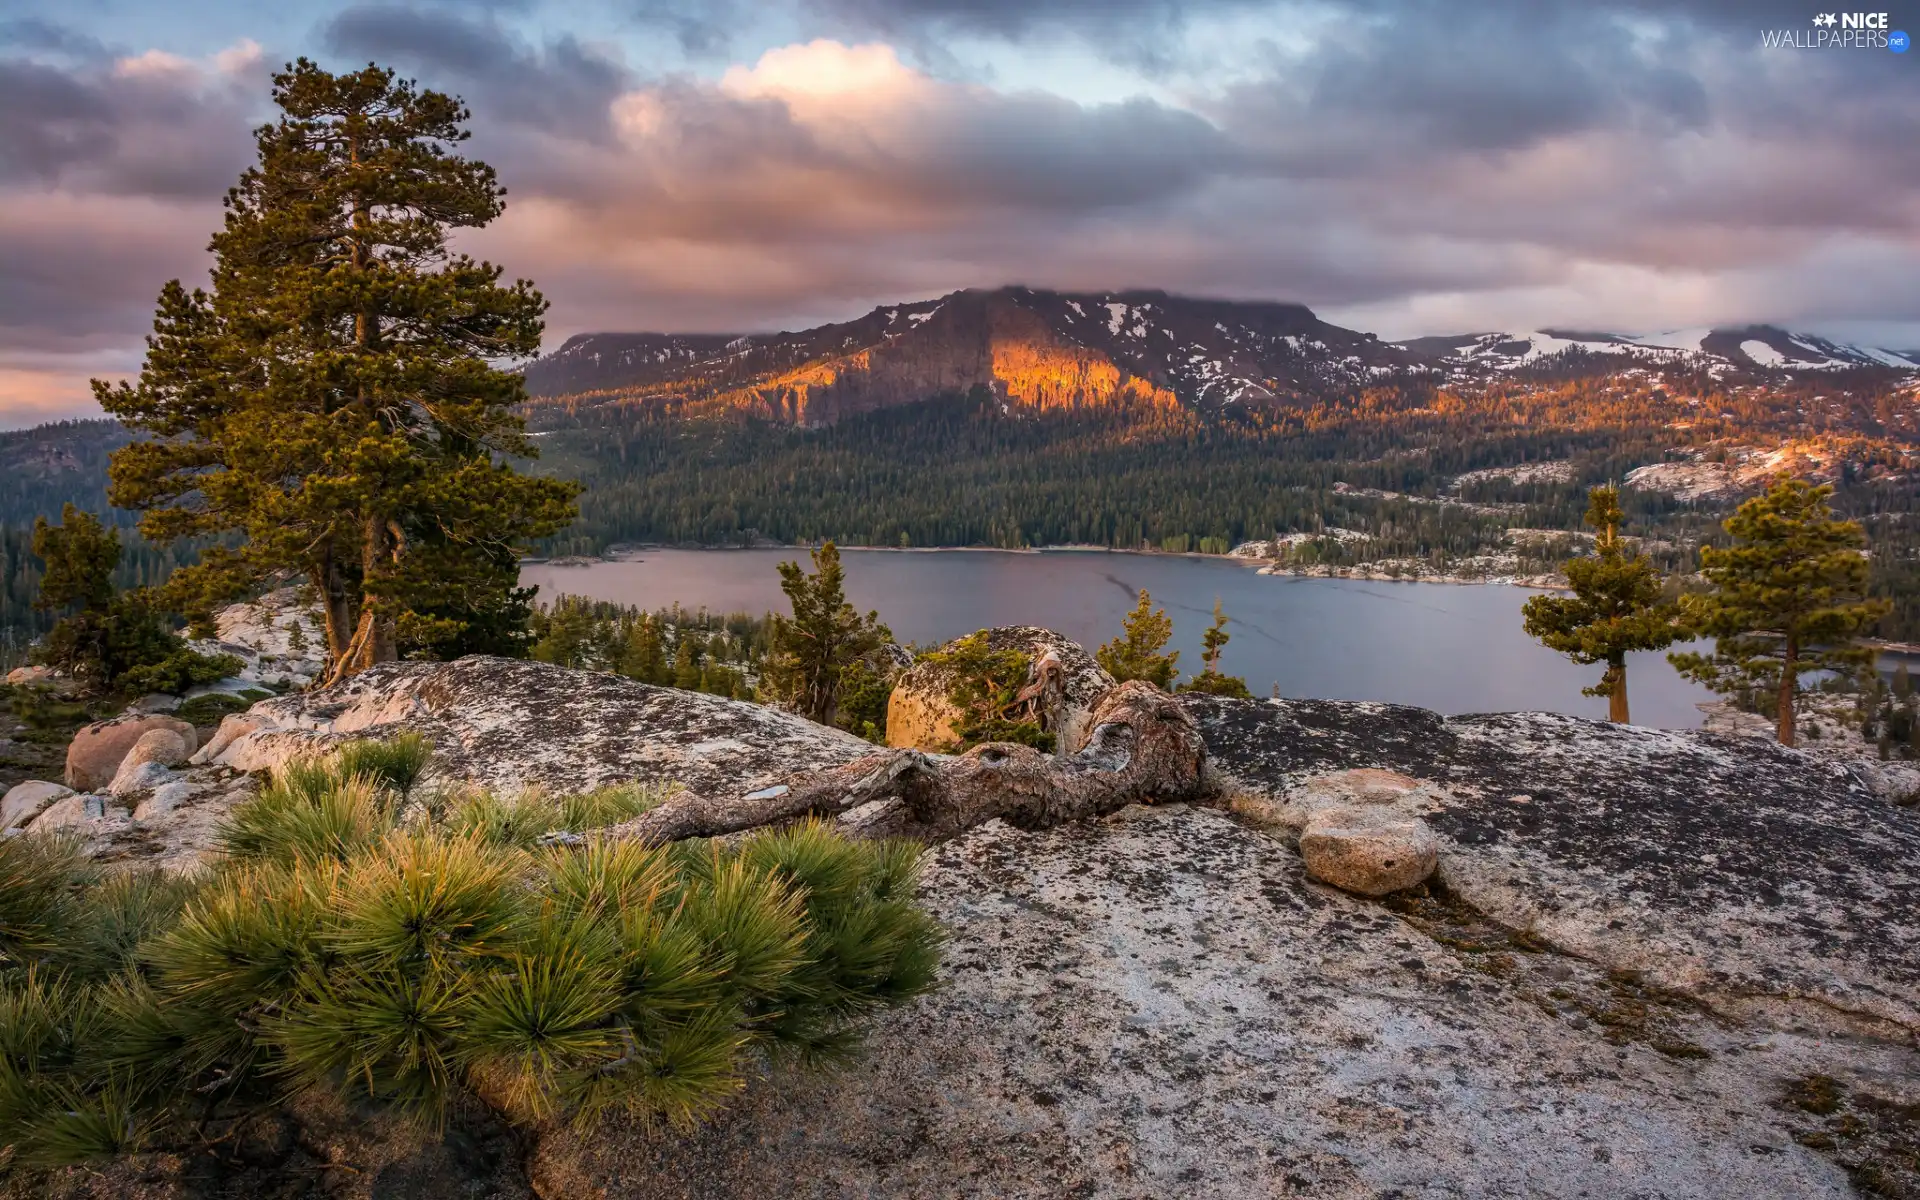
(1260, 566)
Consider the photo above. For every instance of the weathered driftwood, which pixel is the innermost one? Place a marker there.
(1142, 748)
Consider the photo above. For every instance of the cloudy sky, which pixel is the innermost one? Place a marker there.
(1403, 166)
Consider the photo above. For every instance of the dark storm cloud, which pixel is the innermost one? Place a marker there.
(702, 29)
(1011, 18)
(1108, 21)
(1552, 162)
(37, 34)
(562, 87)
(152, 125)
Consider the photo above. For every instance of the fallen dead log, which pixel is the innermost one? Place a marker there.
(1142, 748)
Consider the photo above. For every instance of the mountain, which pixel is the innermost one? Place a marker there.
(1747, 349)
(1029, 348)
(49, 465)
(1051, 350)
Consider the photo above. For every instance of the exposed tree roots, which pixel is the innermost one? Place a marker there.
(1143, 748)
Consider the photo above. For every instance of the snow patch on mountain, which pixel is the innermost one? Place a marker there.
(1714, 350)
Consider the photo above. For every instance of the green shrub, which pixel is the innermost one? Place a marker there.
(1212, 683)
(42, 879)
(353, 944)
(522, 820)
(178, 671)
(396, 763)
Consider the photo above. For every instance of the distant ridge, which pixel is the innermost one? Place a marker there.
(1043, 349)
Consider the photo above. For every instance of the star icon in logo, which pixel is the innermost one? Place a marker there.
(1826, 19)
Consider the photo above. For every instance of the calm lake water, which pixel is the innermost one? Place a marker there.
(1455, 648)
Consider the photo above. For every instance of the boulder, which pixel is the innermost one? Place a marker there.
(266, 749)
(1745, 875)
(22, 676)
(1367, 851)
(232, 727)
(145, 765)
(97, 750)
(25, 801)
(168, 747)
(1067, 679)
(134, 778)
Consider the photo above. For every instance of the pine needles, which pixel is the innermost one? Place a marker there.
(401, 953)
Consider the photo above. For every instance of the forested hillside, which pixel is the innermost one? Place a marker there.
(41, 470)
(1420, 472)
(1080, 435)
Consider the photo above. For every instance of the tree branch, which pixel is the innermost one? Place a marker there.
(1144, 748)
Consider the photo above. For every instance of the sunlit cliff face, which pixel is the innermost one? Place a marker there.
(1406, 167)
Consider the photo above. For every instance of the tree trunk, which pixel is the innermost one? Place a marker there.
(376, 636)
(1789, 657)
(1143, 748)
(1617, 698)
(336, 614)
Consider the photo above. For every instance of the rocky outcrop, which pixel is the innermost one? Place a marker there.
(81, 813)
(921, 714)
(96, 752)
(278, 639)
(497, 723)
(1164, 1004)
(1755, 878)
(1635, 941)
(510, 724)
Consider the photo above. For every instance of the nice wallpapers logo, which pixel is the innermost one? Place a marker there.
(1840, 31)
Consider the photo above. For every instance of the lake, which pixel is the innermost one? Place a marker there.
(1456, 648)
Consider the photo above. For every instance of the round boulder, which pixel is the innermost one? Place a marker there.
(25, 802)
(1368, 851)
(96, 752)
(1062, 678)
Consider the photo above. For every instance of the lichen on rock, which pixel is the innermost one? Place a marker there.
(1751, 876)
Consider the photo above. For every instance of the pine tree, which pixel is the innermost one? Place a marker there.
(1787, 599)
(1210, 680)
(686, 661)
(1615, 607)
(115, 640)
(80, 554)
(811, 652)
(569, 635)
(644, 655)
(1136, 653)
(336, 398)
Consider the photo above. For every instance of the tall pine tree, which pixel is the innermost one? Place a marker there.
(1787, 599)
(811, 654)
(1615, 607)
(336, 399)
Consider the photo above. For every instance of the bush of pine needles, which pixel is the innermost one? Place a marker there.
(401, 955)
